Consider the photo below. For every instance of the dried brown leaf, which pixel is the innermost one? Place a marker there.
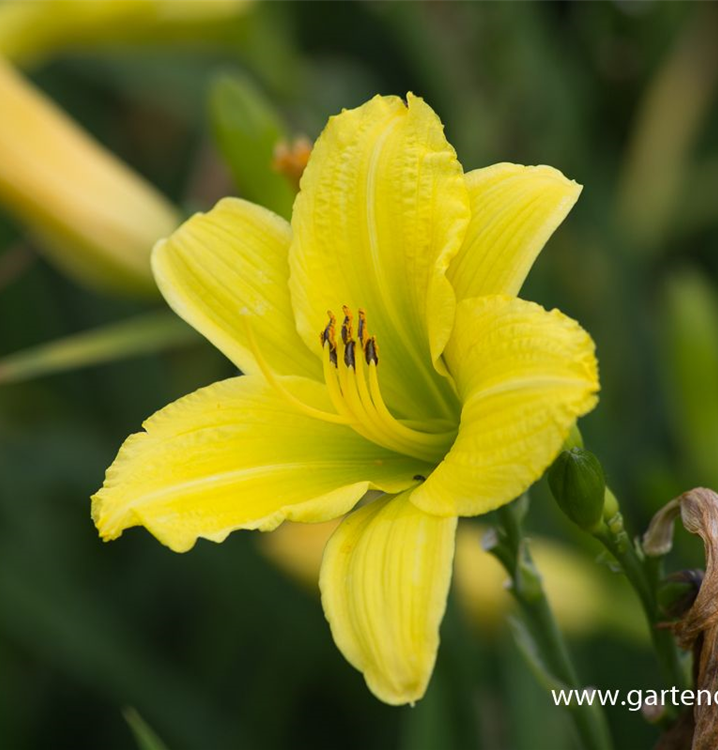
(698, 629)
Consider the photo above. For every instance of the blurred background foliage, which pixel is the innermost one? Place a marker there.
(222, 648)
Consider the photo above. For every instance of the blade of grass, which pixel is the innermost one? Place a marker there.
(145, 737)
(144, 334)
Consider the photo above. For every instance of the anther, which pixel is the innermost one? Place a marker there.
(328, 337)
(349, 354)
(371, 351)
(328, 334)
(347, 325)
(361, 329)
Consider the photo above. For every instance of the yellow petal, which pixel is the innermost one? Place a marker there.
(514, 211)
(228, 268)
(235, 455)
(384, 580)
(383, 208)
(524, 376)
(95, 218)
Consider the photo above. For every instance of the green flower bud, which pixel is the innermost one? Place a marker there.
(574, 439)
(577, 482)
(611, 506)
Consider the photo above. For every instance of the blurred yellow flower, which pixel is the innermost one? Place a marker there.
(33, 29)
(469, 401)
(583, 601)
(96, 218)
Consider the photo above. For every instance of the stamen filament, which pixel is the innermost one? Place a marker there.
(333, 385)
(274, 381)
(361, 403)
(402, 443)
(429, 438)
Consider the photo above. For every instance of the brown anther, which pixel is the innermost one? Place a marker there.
(347, 325)
(349, 360)
(362, 329)
(371, 351)
(329, 332)
(328, 337)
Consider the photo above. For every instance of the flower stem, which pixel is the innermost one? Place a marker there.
(547, 650)
(644, 579)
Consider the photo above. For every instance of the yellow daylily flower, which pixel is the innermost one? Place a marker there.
(93, 215)
(466, 404)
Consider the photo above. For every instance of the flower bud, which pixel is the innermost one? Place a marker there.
(32, 31)
(611, 508)
(95, 217)
(577, 482)
(574, 439)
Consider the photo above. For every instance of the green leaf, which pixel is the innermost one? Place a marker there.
(247, 128)
(144, 334)
(691, 361)
(146, 738)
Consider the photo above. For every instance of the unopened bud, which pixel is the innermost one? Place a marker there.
(610, 506)
(578, 484)
(94, 217)
(33, 31)
(574, 439)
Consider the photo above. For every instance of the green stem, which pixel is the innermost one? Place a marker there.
(617, 543)
(527, 589)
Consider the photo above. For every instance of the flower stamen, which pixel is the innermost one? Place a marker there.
(353, 386)
(328, 336)
(275, 381)
(347, 325)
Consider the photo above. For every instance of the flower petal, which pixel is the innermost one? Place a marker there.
(524, 376)
(514, 211)
(383, 208)
(229, 267)
(236, 455)
(384, 579)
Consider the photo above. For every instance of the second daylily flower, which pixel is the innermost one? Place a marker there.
(428, 379)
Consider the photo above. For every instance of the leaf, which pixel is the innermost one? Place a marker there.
(691, 362)
(247, 129)
(144, 334)
(146, 738)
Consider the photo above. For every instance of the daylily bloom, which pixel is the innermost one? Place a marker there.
(464, 406)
